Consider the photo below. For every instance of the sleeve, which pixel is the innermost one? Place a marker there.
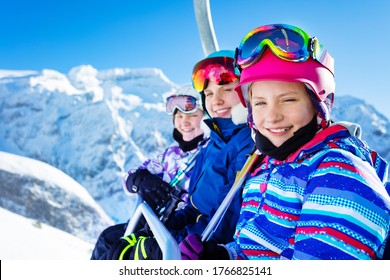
(157, 165)
(154, 166)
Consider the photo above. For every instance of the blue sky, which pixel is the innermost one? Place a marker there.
(63, 34)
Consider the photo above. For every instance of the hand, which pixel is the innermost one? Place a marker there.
(152, 188)
(181, 218)
(192, 248)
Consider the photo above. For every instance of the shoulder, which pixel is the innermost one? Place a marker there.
(243, 141)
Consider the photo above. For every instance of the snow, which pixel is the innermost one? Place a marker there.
(92, 124)
(51, 80)
(39, 191)
(27, 239)
(44, 172)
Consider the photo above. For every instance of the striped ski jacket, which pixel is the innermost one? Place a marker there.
(325, 201)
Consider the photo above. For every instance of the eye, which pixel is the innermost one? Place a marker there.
(228, 89)
(259, 103)
(290, 99)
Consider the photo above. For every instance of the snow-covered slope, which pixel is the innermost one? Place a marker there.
(41, 192)
(28, 239)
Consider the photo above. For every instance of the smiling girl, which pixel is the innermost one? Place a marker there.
(317, 191)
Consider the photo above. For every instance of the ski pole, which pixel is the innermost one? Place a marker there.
(216, 219)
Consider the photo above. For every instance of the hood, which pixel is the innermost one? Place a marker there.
(344, 136)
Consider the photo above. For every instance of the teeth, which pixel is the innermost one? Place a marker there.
(279, 130)
(221, 111)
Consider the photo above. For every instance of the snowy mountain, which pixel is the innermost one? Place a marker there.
(95, 125)
(38, 191)
(27, 239)
(375, 126)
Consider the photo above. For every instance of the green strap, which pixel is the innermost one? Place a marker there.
(140, 243)
(131, 241)
(143, 248)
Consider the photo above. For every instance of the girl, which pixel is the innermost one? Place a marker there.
(155, 178)
(317, 192)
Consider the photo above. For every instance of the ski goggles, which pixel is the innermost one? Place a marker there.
(285, 41)
(220, 70)
(185, 103)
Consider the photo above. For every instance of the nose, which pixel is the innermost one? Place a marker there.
(216, 99)
(186, 119)
(273, 114)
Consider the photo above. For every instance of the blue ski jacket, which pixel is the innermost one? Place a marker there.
(213, 175)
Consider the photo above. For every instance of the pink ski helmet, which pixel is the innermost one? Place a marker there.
(317, 76)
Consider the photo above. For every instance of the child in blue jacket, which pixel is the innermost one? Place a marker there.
(216, 166)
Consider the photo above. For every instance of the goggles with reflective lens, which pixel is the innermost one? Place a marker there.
(285, 41)
(185, 103)
(219, 70)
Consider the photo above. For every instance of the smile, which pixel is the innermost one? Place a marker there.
(222, 111)
(278, 130)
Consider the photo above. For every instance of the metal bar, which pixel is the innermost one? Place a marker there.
(205, 26)
(168, 245)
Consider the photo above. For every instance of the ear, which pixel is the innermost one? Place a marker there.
(239, 114)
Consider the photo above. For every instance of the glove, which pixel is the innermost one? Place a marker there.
(152, 188)
(181, 218)
(136, 246)
(192, 248)
(124, 247)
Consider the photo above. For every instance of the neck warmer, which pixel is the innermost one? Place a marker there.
(300, 137)
(186, 145)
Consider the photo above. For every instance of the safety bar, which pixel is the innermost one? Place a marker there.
(166, 242)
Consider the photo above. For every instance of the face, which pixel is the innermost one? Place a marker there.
(188, 124)
(220, 99)
(280, 108)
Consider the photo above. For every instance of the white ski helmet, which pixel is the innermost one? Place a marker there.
(186, 90)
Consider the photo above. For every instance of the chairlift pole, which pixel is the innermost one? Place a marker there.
(205, 26)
